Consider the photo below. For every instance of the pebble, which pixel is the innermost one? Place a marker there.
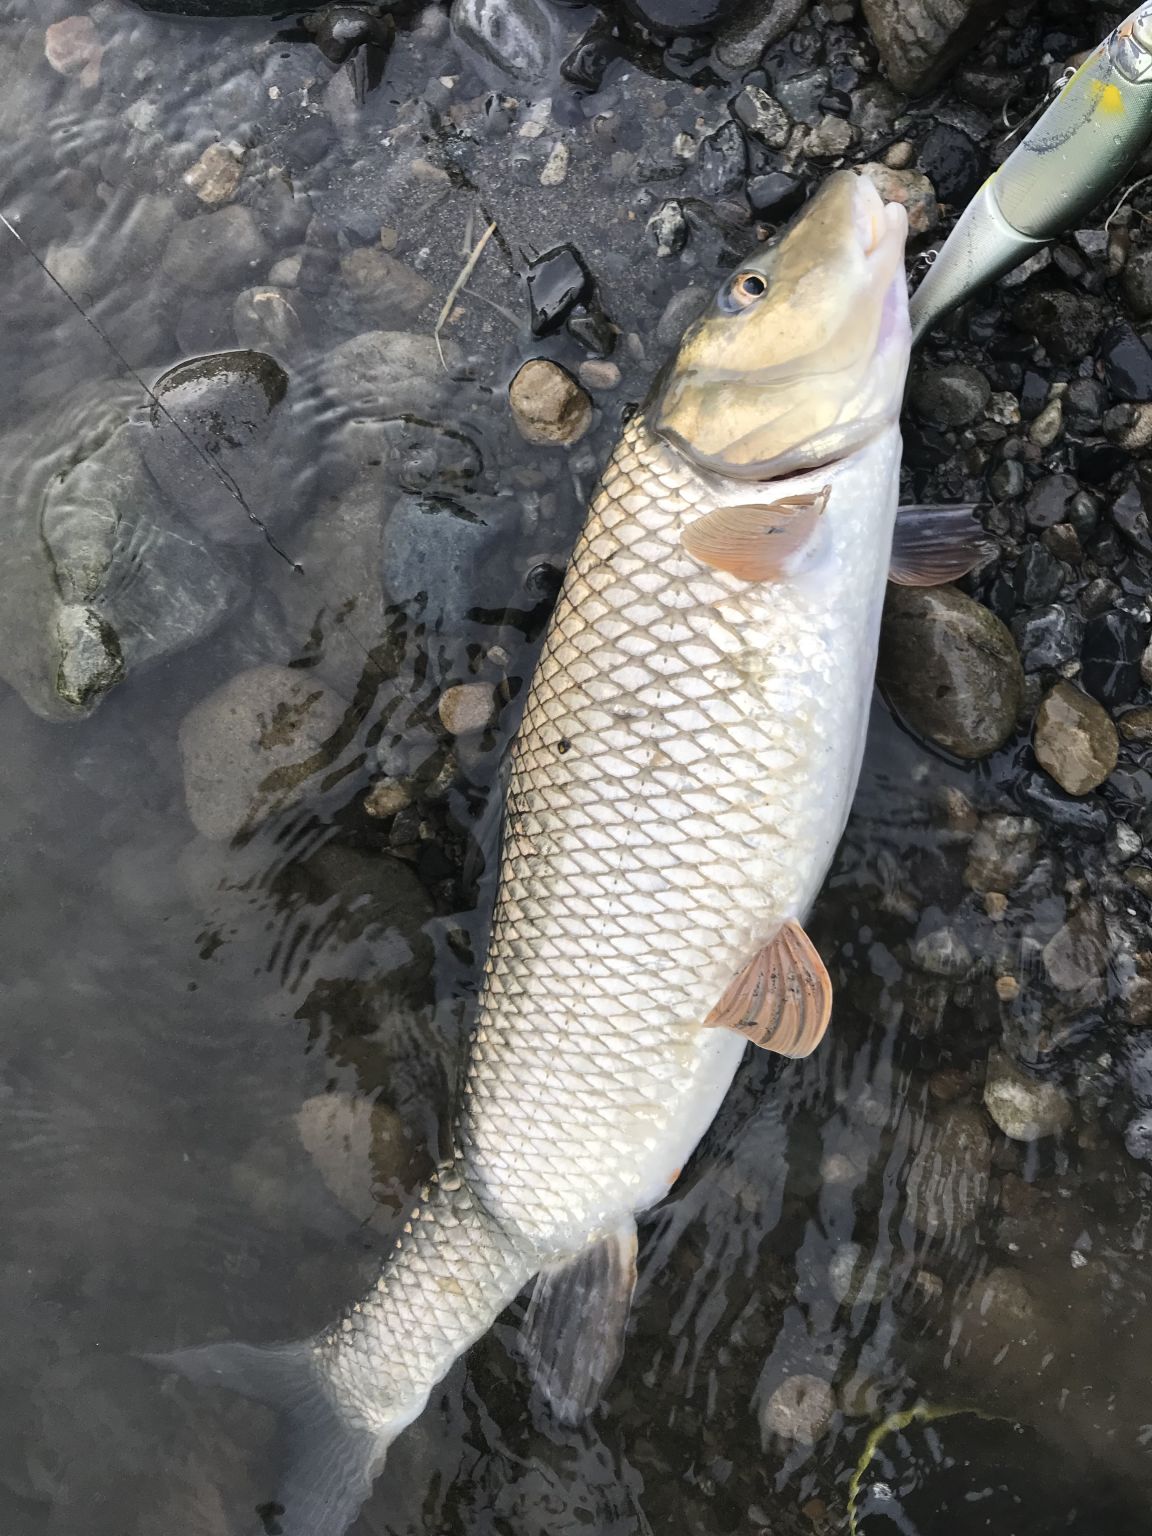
(722, 161)
(912, 189)
(899, 156)
(385, 798)
(1136, 724)
(1110, 659)
(267, 320)
(762, 117)
(775, 196)
(1127, 364)
(548, 405)
(215, 251)
(1129, 426)
(555, 171)
(1048, 426)
(953, 164)
(679, 312)
(952, 396)
(1002, 853)
(1038, 576)
(950, 668)
(72, 47)
(1024, 1109)
(1048, 501)
(466, 708)
(215, 176)
(1076, 957)
(1138, 1136)
(1137, 283)
(513, 36)
(1146, 667)
(1130, 511)
(1067, 324)
(669, 228)
(1007, 480)
(1075, 741)
(750, 30)
(831, 138)
(800, 1409)
(1048, 637)
(557, 282)
(943, 953)
(386, 292)
(598, 373)
(249, 749)
(920, 40)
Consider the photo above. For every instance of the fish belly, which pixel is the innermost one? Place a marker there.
(685, 766)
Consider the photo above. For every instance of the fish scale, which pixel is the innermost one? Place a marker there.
(681, 777)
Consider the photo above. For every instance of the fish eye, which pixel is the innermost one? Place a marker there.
(744, 289)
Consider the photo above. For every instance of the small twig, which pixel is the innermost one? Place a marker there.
(453, 293)
(1125, 195)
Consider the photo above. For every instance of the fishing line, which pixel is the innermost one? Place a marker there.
(217, 469)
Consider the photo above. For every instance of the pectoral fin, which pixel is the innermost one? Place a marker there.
(932, 545)
(754, 543)
(574, 1328)
(782, 999)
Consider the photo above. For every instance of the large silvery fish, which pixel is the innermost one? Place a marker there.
(685, 767)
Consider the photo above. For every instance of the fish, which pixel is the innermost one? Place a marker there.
(683, 772)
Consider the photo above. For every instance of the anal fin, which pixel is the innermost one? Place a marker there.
(755, 542)
(933, 545)
(576, 1320)
(782, 999)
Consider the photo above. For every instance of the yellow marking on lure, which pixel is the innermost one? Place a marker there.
(1108, 98)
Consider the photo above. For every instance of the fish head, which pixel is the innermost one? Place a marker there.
(801, 356)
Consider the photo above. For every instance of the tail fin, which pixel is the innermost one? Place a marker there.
(329, 1462)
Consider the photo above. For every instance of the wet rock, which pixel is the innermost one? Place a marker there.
(1048, 425)
(946, 1184)
(386, 292)
(1110, 660)
(1085, 819)
(801, 91)
(466, 708)
(1048, 501)
(1085, 404)
(1038, 575)
(1129, 426)
(1023, 1108)
(385, 798)
(1130, 514)
(919, 42)
(267, 320)
(339, 30)
(669, 228)
(90, 662)
(216, 250)
(1007, 480)
(685, 18)
(775, 196)
(1075, 741)
(750, 31)
(221, 411)
(1076, 957)
(1136, 724)
(950, 669)
(1127, 364)
(557, 282)
(1137, 283)
(72, 47)
(599, 375)
(434, 555)
(952, 396)
(680, 311)
(800, 1409)
(721, 161)
(588, 61)
(1138, 1136)
(1002, 853)
(382, 374)
(943, 953)
(591, 328)
(249, 749)
(953, 164)
(1048, 637)
(762, 117)
(548, 406)
(513, 36)
(911, 189)
(215, 176)
(1067, 324)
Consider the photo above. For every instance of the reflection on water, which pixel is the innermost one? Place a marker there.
(243, 883)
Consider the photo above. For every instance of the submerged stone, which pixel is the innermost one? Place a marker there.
(1023, 1108)
(514, 36)
(919, 40)
(1075, 741)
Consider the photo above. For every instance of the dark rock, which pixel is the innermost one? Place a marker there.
(339, 30)
(722, 161)
(222, 410)
(1074, 740)
(750, 30)
(1137, 283)
(1033, 394)
(775, 196)
(1113, 645)
(513, 36)
(1127, 364)
(1037, 576)
(585, 66)
(950, 669)
(1067, 324)
(680, 311)
(919, 41)
(1002, 853)
(685, 17)
(953, 164)
(762, 117)
(801, 92)
(1048, 501)
(1085, 402)
(1082, 818)
(952, 396)
(591, 327)
(557, 282)
(1007, 480)
(1048, 638)
(1130, 514)
(1083, 515)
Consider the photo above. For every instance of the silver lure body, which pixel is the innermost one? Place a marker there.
(683, 773)
(1072, 157)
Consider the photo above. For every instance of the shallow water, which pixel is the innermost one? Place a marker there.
(228, 1059)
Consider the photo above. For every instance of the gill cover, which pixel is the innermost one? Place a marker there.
(801, 356)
